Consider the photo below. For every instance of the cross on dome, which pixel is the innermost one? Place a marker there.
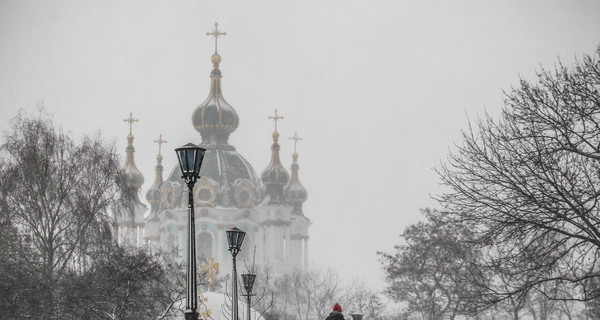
(160, 141)
(217, 33)
(131, 120)
(275, 118)
(296, 139)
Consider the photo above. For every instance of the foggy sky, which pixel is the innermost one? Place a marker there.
(378, 90)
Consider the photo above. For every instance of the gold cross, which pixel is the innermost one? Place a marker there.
(275, 118)
(217, 33)
(160, 141)
(206, 314)
(203, 303)
(131, 120)
(296, 139)
(210, 267)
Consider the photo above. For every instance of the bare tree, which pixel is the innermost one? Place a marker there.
(528, 184)
(55, 201)
(514, 306)
(366, 301)
(262, 299)
(431, 272)
(566, 309)
(542, 308)
(310, 295)
(122, 283)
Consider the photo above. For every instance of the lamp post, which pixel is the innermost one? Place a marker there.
(248, 284)
(235, 238)
(356, 316)
(190, 160)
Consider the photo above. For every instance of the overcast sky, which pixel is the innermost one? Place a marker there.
(378, 90)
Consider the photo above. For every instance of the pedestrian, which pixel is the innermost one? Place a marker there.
(336, 314)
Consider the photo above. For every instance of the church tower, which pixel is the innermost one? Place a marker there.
(228, 194)
(153, 195)
(275, 177)
(295, 194)
(130, 218)
(275, 213)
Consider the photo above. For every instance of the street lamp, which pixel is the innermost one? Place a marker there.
(235, 238)
(190, 160)
(248, 284)
(356, 316)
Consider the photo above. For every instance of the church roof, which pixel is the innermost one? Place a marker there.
(275, 177)
(134, 176)
(228, 179)
(215, 118)
(153, 195)
(294, 191)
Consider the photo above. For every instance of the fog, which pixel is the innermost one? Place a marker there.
(378, 90)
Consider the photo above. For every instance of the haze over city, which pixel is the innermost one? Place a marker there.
(379, 91)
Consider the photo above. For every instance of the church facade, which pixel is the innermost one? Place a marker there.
(229, 194)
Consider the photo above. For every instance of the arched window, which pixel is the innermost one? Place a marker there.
(204, 245)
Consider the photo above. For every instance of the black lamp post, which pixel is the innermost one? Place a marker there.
(356, 316)
(190, 160)
(248, 284)
(235, 238)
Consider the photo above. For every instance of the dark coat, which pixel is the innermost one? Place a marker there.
(335, 315)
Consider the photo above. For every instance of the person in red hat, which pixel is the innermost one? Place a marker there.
(336, 314)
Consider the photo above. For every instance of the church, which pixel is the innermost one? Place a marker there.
(229, 194)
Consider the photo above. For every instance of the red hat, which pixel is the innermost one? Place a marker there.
(337, 307)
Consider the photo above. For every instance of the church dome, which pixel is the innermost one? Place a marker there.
(228, 179)
(275, 177)
(153, 194)
(215, 118)
(294, 192)
(275, 173)
(134, 177)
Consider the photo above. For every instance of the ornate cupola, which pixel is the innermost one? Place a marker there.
(215, 118)
(134, 177)
(275, 177)
(294, 192)
(153, 194)
(228, 179)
